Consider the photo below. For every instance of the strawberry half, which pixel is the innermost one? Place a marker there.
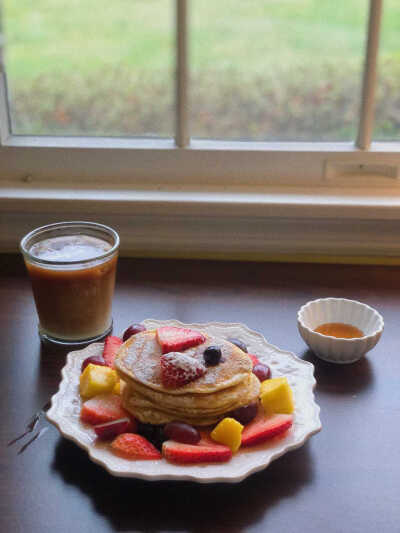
(179, 453)
(254, 358)
(263, 428)
(178, 369)
(134, 446)
(111, 346)
(173, 339)
(102, 408)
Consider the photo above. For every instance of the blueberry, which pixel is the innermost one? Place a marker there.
(153, 433)
(212, 355)
(238, 343)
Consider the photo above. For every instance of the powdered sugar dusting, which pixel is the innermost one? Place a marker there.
(184, 362)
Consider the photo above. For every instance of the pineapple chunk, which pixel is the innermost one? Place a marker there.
(228, 432)
(276, 396)
(117, 388)
(97, 379)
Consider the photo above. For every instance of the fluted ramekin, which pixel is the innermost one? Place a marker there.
(333, 349)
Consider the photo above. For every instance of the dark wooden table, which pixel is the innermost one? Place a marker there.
(345, 479)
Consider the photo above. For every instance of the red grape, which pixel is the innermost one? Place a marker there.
(181, 432)
(245, 414)
(132, 330)
(94, 360)
(263, 372)
(109, 430)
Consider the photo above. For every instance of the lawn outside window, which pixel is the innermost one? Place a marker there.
(191, 197)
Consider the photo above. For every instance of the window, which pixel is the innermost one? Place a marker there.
(270, 117)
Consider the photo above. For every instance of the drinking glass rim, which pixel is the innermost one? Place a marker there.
(71, 224)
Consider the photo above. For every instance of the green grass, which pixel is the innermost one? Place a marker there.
(261, 69)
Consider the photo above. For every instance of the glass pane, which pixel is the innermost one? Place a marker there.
(277, 69)
(387, 114)
(92, 67)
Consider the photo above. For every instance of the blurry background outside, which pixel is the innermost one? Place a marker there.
(271, 70)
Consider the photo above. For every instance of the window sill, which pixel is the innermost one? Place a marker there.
(260, 223)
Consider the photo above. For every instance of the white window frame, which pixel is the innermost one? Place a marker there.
(184, 185)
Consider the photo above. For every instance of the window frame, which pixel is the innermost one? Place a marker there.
(240, 181)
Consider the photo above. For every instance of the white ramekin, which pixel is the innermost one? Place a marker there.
(333, 349)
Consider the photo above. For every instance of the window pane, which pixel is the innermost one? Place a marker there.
(277, 69)
(387, 115)
(92, 67)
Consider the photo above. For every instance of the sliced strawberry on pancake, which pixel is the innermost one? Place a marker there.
(172, 339)
(111, 345)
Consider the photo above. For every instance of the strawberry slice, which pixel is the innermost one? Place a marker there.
(263, 428)
(134, 446)
(178, 369)
(111, 345)
(173, 339)
(109, 430)
(254, 358)
(179, 453)
(102, 408)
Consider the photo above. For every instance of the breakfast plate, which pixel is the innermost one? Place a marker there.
(65, 409)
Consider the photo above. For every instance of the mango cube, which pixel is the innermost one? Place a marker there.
(117, 388)
(276, 396)
(228, 432)
(97, 379)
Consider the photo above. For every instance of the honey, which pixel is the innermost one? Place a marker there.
(339, 330)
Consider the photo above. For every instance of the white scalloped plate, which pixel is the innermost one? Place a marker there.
(66, 405)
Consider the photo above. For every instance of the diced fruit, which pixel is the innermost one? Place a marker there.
(228, 432)
(111, 346)
(245, 414)
(110, 430)
(117, 388)
(178, 369)
(95, 360)
(212, 355)
(97, 379)
(237, 342)
(172, 339)
(276, 396)
(263, 372)
(254, 359)
(181, 432)
(153, 433)
(102, 408)
(132, 330)
(263, 428)
(180, 453)
(134, 446)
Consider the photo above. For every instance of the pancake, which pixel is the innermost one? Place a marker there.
(138, 360)
(196, 404)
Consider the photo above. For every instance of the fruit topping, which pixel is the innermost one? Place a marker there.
(172, 339)
(110, 430)
(102, 408)
(111, 346)
(212, 355)
(237, 342)
(134, 446)
(262, 371)
(263, 428)
(132, 330)
(178, 369)
(245, 414)
(153, 433)
(254, 358)
(180, 453)
(95, 360)
(228, 432)
(181, 432)
(117, 388)
(276, 396)
(97, 379)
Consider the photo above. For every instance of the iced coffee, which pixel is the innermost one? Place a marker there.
(72, 269)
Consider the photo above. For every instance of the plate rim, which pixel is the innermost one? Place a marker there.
(235, 477)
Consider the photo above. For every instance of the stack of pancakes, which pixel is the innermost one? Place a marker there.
(224, 387)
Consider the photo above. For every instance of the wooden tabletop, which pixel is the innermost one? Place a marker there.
(344, 479)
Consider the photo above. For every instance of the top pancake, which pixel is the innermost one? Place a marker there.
(139, 359)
